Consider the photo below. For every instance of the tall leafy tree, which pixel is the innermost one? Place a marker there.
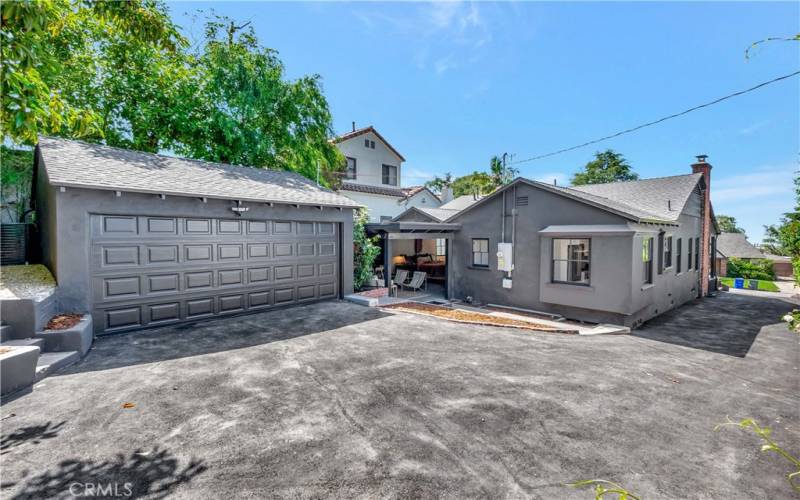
(784, 238)
(51, 69)
(250, 114)
(476, 183)
(727, 224)
(607, 166)
(501, 175)
(438, 184)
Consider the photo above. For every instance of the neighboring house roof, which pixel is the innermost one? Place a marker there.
(461, 202)
(366, 188)
(362, 131)
(93, 166)
(736, 245)
(434, 214)
(777, 258)
(658, 200)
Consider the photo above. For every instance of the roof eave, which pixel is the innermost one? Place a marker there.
(201, 195)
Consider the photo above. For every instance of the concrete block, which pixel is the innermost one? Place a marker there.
(362, 300)
(50, 362)
(78, 338)
(17, 368)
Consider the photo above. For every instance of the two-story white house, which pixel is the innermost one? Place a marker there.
(374, 176)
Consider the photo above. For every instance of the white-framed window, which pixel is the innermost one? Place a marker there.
(350, 170)
(480, 252)
(697, 253)
(647, 259)
(667, 252)
(441, 247)
(679, 256)
(690, 259)
(389, 175)
(571, 261)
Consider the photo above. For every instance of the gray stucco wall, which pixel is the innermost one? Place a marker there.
(69, 245)
(616, 293)
(46, 213)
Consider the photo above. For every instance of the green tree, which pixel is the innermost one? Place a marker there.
(15, 179)
(476, 183)
(607, 166)
(250, 114)
(438, 184)
(501, 175)
(41, 41)
(727, 224)
(365, 250)
(784, 238)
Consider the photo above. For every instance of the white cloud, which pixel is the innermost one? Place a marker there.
(763, 181)
(753, 128)
(419, 176)
(444, 64)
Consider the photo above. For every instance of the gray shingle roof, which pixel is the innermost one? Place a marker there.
(93, 166)
(460, 203)
(736, 245)
(661, 198)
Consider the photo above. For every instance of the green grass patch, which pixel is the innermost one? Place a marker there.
(763, 285)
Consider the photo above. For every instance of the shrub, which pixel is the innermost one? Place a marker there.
(364, 250)
(796, 270)
(757, 269)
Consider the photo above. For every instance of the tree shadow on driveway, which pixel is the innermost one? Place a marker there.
(33, 434)
(152, 474)
(220, 334)
(724, 324)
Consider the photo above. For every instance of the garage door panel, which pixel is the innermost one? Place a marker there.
(156, 270)
(162, 283)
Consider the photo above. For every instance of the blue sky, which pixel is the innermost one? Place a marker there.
(451, 84)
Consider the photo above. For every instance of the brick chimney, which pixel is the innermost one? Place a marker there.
(703, 167)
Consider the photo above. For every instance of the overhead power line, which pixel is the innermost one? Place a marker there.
(632, 129)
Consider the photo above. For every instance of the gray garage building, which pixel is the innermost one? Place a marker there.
(142, 239)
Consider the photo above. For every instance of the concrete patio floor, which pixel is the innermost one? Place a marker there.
(339, 400)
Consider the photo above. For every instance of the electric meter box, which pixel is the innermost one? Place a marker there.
(505, 257)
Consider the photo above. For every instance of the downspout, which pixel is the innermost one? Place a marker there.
(513, 232)
(503, 223)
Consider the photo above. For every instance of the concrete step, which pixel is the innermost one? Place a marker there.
(51, 362)
(6, 332)
(24, 342)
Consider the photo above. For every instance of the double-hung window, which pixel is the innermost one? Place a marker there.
(647, 259)
(690, 259)
(571, 261)
(679, 256)
(667, 252)
(389, 175)
(480, 252)
(697, 253)
(350, 170)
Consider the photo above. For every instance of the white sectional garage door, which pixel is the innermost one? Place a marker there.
(148, 271)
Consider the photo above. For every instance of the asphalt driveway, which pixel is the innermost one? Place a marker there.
(337, 400)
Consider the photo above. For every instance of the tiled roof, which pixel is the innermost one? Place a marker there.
(361, 131)
(366, 188)
(736, 245)
(93, 166)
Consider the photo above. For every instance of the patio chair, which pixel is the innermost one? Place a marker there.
(400, 277)
(418, 280)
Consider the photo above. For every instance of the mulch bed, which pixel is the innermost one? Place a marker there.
(63, 321)
(470, 317)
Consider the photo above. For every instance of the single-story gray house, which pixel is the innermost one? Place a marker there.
(734, 245)
(142, 239)
(620, 252)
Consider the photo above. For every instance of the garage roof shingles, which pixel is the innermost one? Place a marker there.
(79, 164)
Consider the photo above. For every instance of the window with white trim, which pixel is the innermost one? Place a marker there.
(667, 252)
(571, 261)
(441, 247)
(679, 256)
(350, 170)
(389, 175)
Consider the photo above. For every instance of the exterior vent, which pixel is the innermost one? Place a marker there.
(13, 243)
(522, 201)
